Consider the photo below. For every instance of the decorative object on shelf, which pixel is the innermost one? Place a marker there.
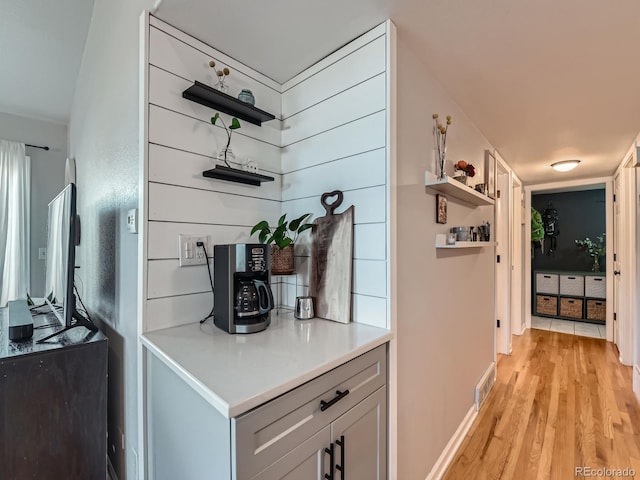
(440, 143)
(283, 238)
(250, 165)
(490, 173)
(222, 76)
(246, 96)
(441, 210)
(451, 238)
(463, 234)
(332, 260)
(484, 232)
(594, 249)
(226, 153)
(464, 171)
(481, 188)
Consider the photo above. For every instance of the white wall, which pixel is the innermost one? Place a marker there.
(334, 138)
(47, 179)
(104, 140)
(182, 143)
(445, 299)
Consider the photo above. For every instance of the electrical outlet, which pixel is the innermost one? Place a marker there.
(189, 252)
(132, 220)
(42, 253)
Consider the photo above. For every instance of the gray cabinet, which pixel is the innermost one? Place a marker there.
(360, 440)
(287, 438)
(308, 461)
(278, 427)
(570, 295)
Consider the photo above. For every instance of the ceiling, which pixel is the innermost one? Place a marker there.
(543, 80)
(41, 45)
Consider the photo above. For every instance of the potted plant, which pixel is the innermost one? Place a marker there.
(594, 249)
(464, 171)
(282, 237)
(226, 152)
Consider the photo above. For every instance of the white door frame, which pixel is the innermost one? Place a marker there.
(569, 186)
(503, 235)
(517, 251)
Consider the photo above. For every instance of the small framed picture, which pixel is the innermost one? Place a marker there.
(441, 210)
(490, 172)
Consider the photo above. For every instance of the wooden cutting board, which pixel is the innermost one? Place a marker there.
(332, 260)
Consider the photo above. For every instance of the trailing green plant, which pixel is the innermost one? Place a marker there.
(235, 125)
(595, 249)
(284, 233)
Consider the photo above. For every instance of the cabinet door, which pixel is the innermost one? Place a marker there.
(363, 431)
(308, 461)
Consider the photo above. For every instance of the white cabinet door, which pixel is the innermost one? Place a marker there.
(362, 431)
(308, 461)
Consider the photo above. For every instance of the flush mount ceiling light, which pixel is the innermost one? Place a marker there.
(565, 165)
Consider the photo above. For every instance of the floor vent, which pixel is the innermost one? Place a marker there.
(484, 385)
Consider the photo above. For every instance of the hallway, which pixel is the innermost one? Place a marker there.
(560, 402)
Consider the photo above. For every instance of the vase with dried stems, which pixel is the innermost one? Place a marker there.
(440, 143)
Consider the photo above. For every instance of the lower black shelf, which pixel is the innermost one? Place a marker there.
(234, 175)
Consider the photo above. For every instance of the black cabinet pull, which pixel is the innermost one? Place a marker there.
(339, 396)
(329, 476)
(571, 278)
(340, 467)
(547, 276)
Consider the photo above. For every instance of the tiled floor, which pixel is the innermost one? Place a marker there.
(568, 326)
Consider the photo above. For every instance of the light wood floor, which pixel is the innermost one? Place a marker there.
(560, 401)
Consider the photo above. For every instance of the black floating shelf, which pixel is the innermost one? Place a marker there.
(234, 175)
(210, 97)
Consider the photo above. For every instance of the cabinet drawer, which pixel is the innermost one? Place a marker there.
(571, 307)
(547, 283)
(546, 305)
(572, 285)
(595, 287)
(267, 433)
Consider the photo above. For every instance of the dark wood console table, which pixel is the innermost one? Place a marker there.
(53, 404)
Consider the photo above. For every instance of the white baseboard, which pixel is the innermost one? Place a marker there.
(636, 381)
(452, 447)
(524, 327)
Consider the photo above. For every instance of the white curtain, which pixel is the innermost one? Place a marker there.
(15, 181)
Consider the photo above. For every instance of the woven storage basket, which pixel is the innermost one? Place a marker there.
(282, 260)
(546, 305)
(596, 310)
(571, 307)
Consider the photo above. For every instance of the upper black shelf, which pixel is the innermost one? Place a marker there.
(210, 97)
(234, 175)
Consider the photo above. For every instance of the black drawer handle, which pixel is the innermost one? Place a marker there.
(547, 276)
(546, 299)
(571, 278)
(340, 467)
(329, 476)
(339, 396)
(571, 301)
(597, 279)
(598, 303)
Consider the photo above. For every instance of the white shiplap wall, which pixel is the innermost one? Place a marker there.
(332, 136)
(181, 145)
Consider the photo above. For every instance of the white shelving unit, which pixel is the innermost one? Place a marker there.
(454, 188)
(441, 242)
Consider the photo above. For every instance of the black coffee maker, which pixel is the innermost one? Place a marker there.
(242, 297)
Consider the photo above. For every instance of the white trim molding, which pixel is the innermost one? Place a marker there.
(449, 452)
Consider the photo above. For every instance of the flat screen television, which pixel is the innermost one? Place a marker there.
(62, 238)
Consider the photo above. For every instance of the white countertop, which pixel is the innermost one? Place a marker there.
(236, 373)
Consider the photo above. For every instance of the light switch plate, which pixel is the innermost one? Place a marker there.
(132, 220)
(189, 252)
